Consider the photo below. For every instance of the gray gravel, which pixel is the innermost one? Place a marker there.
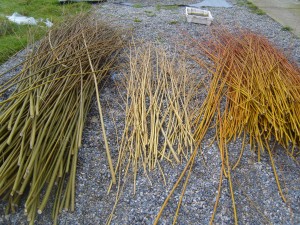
(256, 193)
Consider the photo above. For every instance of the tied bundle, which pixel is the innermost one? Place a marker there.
(41, 122)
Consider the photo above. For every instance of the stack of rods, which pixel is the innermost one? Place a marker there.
(253, 94)
(160, 95)
(261, 88)
(157, 124)
(41, 122)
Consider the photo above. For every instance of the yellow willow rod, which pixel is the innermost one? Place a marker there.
(101, 116)
(188, 165)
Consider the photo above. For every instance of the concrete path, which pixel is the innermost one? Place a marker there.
(286, 12)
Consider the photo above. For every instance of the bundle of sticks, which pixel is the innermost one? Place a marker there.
(41, 122)
(254, 93)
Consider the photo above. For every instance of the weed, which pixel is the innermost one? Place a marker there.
(240, 3)
(260, 12)
(254, 8)
(286, 28)
(137, 6)
(137, 20)
(7, 27)
(251, 6)
(160, 38)
(166, 7)
(150, 13)
(173, 22)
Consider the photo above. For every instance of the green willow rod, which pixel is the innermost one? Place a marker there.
(41, 123)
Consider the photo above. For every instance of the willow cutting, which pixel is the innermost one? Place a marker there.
(253, 94)
(261, 89)
(158, 108)
(43, 119)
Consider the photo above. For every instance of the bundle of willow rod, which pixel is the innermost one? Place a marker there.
(254, 93)
(42, 120)
(158, 108)
(157, 126)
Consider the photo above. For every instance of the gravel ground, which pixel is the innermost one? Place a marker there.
(256, 193)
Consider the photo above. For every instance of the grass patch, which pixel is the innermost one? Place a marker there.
(240, 3)
(14, 37)
(252, 7)
(255, 9)
(150, 13)
(137, 20)
(166, 7)
(137, 6)
(173, 22)
(261, 12)
(6, 27)
(286, 28)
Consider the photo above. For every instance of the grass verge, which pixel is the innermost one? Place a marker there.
(14, 37)
(287, 28)
(252, 7)
(166, 7)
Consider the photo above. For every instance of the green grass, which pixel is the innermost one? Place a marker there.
(137, 6)
(286, 28)
(166, 7)
(252, 7)
(14, 37)
(240, 2)
(150, 13)
(173, 22)
(7, 27)
(260, 12)
(137, 20)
